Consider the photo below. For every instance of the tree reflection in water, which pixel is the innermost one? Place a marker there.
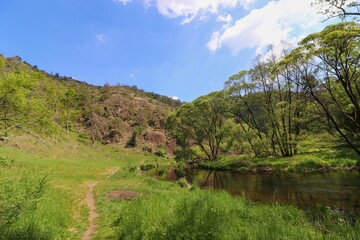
(337, 189)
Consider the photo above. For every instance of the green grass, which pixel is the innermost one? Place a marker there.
(166, 211)
(330, 158)
(316, 151)
(163, 210)
(239, 163)
(70, 165)
(207, 215)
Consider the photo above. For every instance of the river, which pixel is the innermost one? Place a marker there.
(339, 189)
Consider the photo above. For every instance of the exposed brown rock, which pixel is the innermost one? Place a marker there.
(155, 137)
(123, 194)
(265, 169)
(121, 111)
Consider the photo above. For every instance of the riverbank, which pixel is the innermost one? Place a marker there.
(164, 210)
(322, 160)
(133, 206)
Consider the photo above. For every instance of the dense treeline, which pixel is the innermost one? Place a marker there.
(287, 96)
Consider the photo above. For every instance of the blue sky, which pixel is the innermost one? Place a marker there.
(183, 48)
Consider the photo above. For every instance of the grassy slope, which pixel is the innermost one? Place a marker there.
(162, 211)
(70, 166)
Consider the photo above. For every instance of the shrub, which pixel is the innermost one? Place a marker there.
(18, 197)
(5, 162)
(132, 141)
(161, 152)
(146, 167)
(182, 182)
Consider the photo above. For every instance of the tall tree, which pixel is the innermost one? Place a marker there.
(248, 110)
(19, 107)
(201, 123)
(267, 104)
(69, 109)
(333, 55)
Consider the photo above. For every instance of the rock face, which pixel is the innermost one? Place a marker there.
(156, 137)
(126, 112)
(108, 114)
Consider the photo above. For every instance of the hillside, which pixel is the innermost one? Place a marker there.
(40, 103)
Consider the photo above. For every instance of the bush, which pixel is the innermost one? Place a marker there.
(183, 154)
(146, 167)
(5, 162)
(183, 183)
(132, 141)
(17, 197)
(161, 152)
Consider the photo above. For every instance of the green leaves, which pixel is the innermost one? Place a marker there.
(19, 196)
(22, 103)
(201, 123)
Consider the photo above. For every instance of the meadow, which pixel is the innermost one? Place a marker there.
(58, 179)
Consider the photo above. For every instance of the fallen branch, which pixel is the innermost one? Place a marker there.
(33, 134)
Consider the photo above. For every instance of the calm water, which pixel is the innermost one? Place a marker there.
(335, 189)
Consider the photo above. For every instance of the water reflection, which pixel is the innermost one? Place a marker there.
(335, 189)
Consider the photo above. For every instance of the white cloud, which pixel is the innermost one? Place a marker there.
(148, 3)
(224, 19)
(276, 21)
(100, 38)
(175, 98)
(215, 42)
(124, 2)
(192, 9)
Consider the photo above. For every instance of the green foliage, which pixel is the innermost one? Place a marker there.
(207, 215)
(270, 107)
(333, 55)
(131, 143)
(164, 99)
(309, 165)
(5, 162)
(37, 103)
(183, 154)
(147, 166)
(201, 123)
(18, 197)
(334, 224)
(240, 163)
(20, 107)
(315, 154)
(183, 183)
(285, 98)
(161, 152)
(69, 108)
